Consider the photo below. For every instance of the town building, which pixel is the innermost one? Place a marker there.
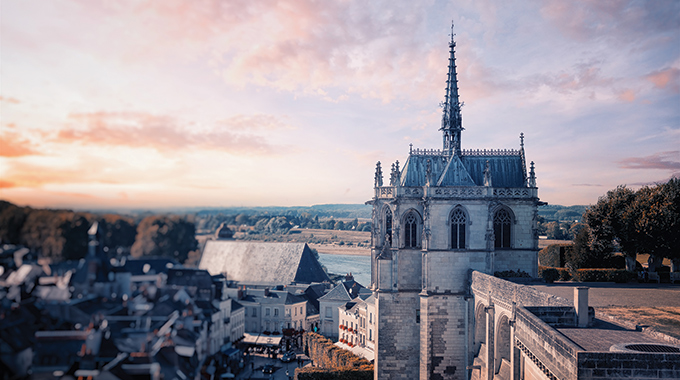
(342, 293)
(262, 264)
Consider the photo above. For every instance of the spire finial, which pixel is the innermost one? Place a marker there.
(521, 140)
(452, 120)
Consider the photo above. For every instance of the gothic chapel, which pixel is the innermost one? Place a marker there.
(445, 213)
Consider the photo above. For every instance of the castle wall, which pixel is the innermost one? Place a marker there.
(398, 336)
(443, 337)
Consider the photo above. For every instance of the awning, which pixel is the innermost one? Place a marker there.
(262, 340)
(250, 338)
(268, 340)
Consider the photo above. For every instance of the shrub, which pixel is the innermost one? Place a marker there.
(553, 255)
(512, 273)
(603, 275)
(548, 274)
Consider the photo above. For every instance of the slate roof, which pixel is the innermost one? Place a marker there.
(468, 170)
(259, 263)
(339, 293)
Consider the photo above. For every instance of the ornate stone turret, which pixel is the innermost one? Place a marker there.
(452, 120)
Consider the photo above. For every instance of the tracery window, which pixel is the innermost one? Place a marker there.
(388, 227)
(458, 227)
(502, 223)
(411, 230)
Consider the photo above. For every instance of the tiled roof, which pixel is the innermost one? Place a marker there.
(258, 263)
(339, 293)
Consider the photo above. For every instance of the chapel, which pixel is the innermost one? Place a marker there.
(442, 214)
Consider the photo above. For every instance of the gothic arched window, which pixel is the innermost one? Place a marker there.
(458, 226)
(502, 222)
(388, 227)
(411, 222)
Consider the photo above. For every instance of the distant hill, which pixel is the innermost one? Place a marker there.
(562, 213)
(327, 210)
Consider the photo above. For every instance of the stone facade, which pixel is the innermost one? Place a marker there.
(447, 212)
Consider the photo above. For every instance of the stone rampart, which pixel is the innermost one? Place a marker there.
(616, 365)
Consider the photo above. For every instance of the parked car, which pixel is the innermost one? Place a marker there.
(288, 357)
(268, 368)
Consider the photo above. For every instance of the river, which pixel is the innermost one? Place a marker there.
(359, 266)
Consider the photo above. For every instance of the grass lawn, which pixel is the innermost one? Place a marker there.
(662, 318)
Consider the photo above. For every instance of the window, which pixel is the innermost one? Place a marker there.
(370, 318)
(329, 312)
(254, 312)
(370, 335)
(458, 224)
(267, 312)
(295, 311)
(417, 315)
(388, 227)
(502, 221)
(287, 312)
(300, 310)
(411, 230)
(276, 312)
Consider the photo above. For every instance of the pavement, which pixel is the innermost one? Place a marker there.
(601, 294)
(253, 370)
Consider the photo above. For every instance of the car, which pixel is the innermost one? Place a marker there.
(288, 357)
(268, 368)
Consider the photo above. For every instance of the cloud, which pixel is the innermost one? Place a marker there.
(9, 100)
(666, 78)
(586, 185)
(618, 21)
(13, 145)
(168, 134)
(664, 160)
(6, 184)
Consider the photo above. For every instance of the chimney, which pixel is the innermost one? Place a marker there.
(266, 292)
(241, 292)
(581, 305)
(349, 277)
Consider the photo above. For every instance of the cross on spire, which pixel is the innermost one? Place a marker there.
(452, 120)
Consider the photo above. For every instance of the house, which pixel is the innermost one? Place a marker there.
(262, 264)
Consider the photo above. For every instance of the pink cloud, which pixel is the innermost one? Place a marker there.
(664, 160)
(13, 145)
(9, 100)
(165, 133)
(627, 95)
(666, 78)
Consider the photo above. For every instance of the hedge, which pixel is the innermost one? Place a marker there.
(553, 255)
(552, 274)
(333, 362)
(603, 275)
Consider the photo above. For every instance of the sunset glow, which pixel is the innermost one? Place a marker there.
(183, 103)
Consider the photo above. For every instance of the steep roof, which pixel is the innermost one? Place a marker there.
(505, 165)
(258, 263)
(338, 293)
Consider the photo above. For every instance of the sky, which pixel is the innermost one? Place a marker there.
(215, 103)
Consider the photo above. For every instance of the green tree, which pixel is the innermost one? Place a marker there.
(612, 220)
(169, 236)
(582, 254)
(658, 221)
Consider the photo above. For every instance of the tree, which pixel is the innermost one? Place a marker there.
(168, 236)
(612, 220)
(582, 255)
(646, 221)
(555, 231)
(658, 221)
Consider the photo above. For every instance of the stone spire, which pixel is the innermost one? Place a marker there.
(452, 120)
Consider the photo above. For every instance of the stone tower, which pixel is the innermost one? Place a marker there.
(446, 212)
